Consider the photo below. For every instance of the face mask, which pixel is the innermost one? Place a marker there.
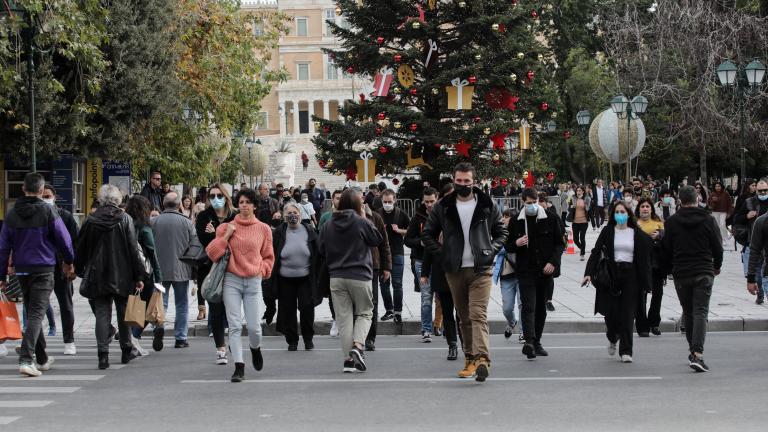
(50, 201)
(276, 222)
(621, 218)
(463, 190)
(305, 200)
(667, 200)
(388, 207)
(286, 199)
(217, 203)
(531, 209)
(292, 219)
(628, 199)
(762, 197)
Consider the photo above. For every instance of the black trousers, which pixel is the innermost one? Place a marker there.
(295, 293)
(449, 319)
(533, 297)
(36, 290)
(217, 314)
(620, 311)
(598, 216)
(102, 308)
(375, 319)
(64, 291)
(644, 321)
(580, 236)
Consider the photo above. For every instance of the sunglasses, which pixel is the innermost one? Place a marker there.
(219, 196)
(156, 178)
(762, 191)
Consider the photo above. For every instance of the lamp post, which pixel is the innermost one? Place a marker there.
(583, 118)
(250, 143)
(12, 8)
(624, 109)
(745, 80)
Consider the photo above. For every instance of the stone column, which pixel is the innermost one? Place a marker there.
(295, 118)
(326, 109)
(283, 112)
(310, 113)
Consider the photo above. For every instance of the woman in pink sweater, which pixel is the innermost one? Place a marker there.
(251, 260)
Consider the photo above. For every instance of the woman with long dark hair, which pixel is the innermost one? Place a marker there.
(628, 251)
(651, 224)
(721, 204)
(579, 211)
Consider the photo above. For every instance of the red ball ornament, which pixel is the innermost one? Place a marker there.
(383, 150)
(413, 92)
(477, 119)
(350, 70)
(395, 181)
(567, 134)
(382, 115)
(321, 163)
(413, 127)
(502, 28)
(472, 79)
(437, 146)
(504, 182)
(544, 106)
(534, 14)
(379, 131)
(514, 2)
(326, 129)
(398, 58)
(379, 40)
(531, 75)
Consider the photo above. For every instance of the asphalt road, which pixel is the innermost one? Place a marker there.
(410, 386)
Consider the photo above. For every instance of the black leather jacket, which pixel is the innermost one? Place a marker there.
(107, 255)
(486, 233)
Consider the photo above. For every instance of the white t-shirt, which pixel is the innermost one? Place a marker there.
(307, 210)
(624, 245)
(600, 197)
(466, 210)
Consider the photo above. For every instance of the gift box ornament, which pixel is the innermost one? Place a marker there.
(460, 94)
(382, 81)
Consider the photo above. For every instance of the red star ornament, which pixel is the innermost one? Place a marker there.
(498, 140)
(463, 147)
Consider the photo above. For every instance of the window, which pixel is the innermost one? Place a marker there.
(331, 71)
(330, 16)
(302, 71)
(14, 180)
(302, 27)
(258, 28)
(263, 120)
(78, 188)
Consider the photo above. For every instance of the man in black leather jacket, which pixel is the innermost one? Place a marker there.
(473, 233)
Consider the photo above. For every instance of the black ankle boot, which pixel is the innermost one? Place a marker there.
(258, 360)
(239, 374)
(103, 360)
(127, 355)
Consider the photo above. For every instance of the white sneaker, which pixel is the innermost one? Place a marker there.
(334, 329)
(221, 357)
(626, 358)
(612, 349)
(70, 349)
(140, 351)
(47, 365)
(3, 350)
(29, 370)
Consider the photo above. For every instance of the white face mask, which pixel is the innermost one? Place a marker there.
(628, 199)
(49, 201)
(388, 207)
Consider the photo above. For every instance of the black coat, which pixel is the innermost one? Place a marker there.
(642, 260)
(548, 243)
(413, 236)
(432, 267)
(278, 242)
(487, 232)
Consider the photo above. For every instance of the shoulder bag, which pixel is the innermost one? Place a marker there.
(603, 278)
(213, 284)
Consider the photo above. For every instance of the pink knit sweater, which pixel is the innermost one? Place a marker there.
(251, 247)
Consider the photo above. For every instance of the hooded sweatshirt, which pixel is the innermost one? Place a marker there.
(345, 242)
(692, 243)
(34, 232)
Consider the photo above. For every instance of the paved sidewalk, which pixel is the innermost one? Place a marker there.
(731, 308)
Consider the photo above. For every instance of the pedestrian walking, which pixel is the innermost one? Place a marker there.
(219, 209)
(721, 204)
(667, 205)
(110, 263)
(304, 160)
(537, 242)
(62, 286)
(269, 211)
(186, 208)
(295, 278)
(651, 224)
(743, 222)
(315, 195)
(173, 234)
(153, 190)
(504, 275)
(251, 261)
(34, 233)
(396, 223)
(694, 249)
(346, 242)
(307, 211)
(600, 202)
(412, 239)
(469, 222)
(335, 197)
(578, 212)
(628, 250)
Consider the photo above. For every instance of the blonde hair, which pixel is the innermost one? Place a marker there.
(227, 199)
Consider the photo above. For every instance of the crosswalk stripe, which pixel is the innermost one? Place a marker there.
(54, 378)
(21, 390)
(418, 380)
(25, 404)
(8, 420)
(65, 366)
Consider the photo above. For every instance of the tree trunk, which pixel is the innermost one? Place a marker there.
(703, 160)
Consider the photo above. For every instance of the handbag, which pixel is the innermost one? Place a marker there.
(603, 277)
(135, 310)
(155, 310)
(147, 263)
(508, 265)
(195, 254)
(13, 289)
(571, 213)
(213, 284)
(10, 327)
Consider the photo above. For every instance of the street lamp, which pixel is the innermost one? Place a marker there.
(583, 118)
(12, 8)
(745, 80)
(626, 109)
(250, 143)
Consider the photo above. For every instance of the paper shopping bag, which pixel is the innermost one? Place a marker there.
(10, 327)
(135, 311)
(155, 311)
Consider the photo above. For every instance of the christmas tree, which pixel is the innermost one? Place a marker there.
(452, 81)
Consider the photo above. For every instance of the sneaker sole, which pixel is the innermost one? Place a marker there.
(359, 362)
(30, 374)
(529, 352)
(481, 373)
(697, 367)
(350, 370)
(221, 362)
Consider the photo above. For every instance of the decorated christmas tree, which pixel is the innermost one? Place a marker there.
(453, 81)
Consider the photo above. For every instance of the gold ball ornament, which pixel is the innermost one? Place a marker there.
(416, 25)
(478, 56)
(435, 91)
(495, 27)
(397, 90)
(462, 4)
(554, 114)
(541, 57)
(338, 11)
(528, 27)
(496, 157)
(531, 115)
(487, 131)
(521, 55)
(513, 77)
(397, 125)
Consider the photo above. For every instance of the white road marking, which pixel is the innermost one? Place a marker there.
(519, 347)
(47, 377)
(66, 366)
(8, 420)
(22, 390)
(25, 404)
(428, 380)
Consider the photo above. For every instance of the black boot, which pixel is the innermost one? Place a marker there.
(127, 355)
(453, 352)
(103, 360)
(239, 374)
(258, 360)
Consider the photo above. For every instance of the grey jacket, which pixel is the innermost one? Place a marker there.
(173, 233)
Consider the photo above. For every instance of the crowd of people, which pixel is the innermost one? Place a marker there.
(282, 252)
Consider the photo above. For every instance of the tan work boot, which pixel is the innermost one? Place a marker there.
(482, 369)
(469, 368)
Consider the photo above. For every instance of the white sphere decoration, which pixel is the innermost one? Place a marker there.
(608, 137)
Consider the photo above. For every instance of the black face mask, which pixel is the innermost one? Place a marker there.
(276, 222)
(286, 199)
(463, 190)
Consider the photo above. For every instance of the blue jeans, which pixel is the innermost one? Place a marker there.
(398, 267)
(426, 300)
(242, 294)
(181, 300)
(759, 279)
(510, 288)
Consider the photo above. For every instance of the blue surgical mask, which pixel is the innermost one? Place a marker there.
(621, 218)
(667, 200)
(762, 197)
(217, 203)
(531, 209)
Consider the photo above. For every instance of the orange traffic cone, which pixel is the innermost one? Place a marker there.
(571, 248)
